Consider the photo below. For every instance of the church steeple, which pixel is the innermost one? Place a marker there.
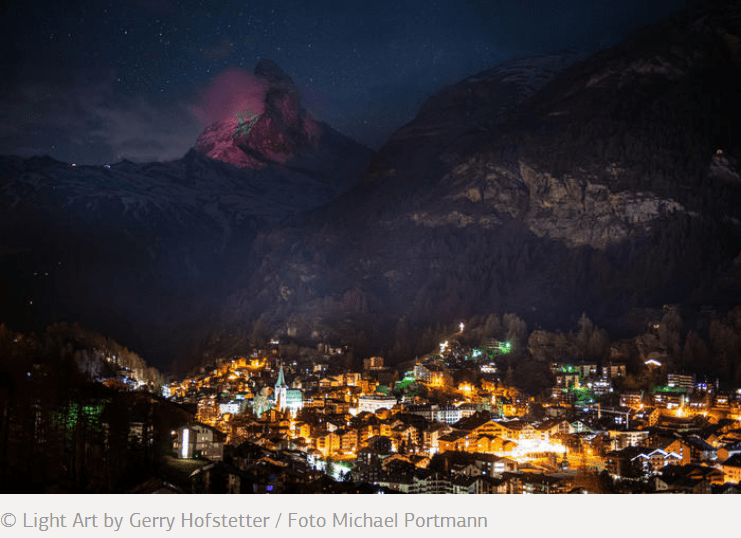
(281, 382)
(281, 390)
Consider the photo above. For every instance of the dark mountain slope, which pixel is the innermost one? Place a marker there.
(147, 253)
(610, 186)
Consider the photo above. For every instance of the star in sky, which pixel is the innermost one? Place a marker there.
(91, 81)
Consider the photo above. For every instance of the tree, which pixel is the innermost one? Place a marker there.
(401, 349)
(516, 331)
(584, 336)
(493, 327)
(695, 355)
(599, 343)
(669, 331)
(726, 344)
(260, 331)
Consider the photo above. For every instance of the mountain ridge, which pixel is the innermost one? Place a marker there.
(535, 208)
(146, 252)
(547, 186)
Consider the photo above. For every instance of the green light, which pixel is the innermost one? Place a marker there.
(404, 383)
(666, 388)
(244, 127)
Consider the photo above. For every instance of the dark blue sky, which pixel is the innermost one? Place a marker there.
(95, 81)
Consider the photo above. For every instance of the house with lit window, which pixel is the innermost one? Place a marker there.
(492, 429)
(732, 469)
(653, 461)
(534, 483)
(482, 443)
(692, 449)
(551, 428)
(426, 482)
(697, 479)
(329, 443)
(431, 435)
(199, 441)
(620, 439)
(349, 440)
(405, 434)
(456, 441)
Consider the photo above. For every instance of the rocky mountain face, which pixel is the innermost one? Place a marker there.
(270, 131)
(548, 186)
(147, 253)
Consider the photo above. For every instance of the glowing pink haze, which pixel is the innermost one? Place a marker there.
(233, 90)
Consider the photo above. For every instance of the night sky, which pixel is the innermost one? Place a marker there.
(95, 82)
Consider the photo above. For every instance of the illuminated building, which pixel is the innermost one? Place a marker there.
(281, 388)
(625, 438)
(329, 443)
(692, 449)
(651, 462)
(352, 379)
(262, 402)
(490, 368)
(680, 381)
(567, 378)
(373, 403)
(530, 483)
(669, 398)
(287, 399)
(732, 469)
(611, 370)
(208, 411)
(232, 407)
(631, 399)
(349, 441)
(294, 400)
(373, 363)
(447, 414)
(433, 373)
(199, 441)
(455, 442)
(587, 370)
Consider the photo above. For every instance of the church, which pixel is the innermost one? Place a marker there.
(285, 398)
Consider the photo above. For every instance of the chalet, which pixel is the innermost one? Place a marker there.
(620, 439)
(431, 435)
(492, 429)
(692, 449)
(620, 463)
(534, 483)
(483, 484)
(687, 479)
(732, 469)
(653, 461)
(329, 443)
(467, 469)
(729, 449)
(426, 482)
(519, 430)
(484, 444)
(551, 428)
(405, 433)
(580, 426)
(456, 441)
(349, 440)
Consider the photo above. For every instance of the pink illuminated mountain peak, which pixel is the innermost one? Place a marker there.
(255, 119)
